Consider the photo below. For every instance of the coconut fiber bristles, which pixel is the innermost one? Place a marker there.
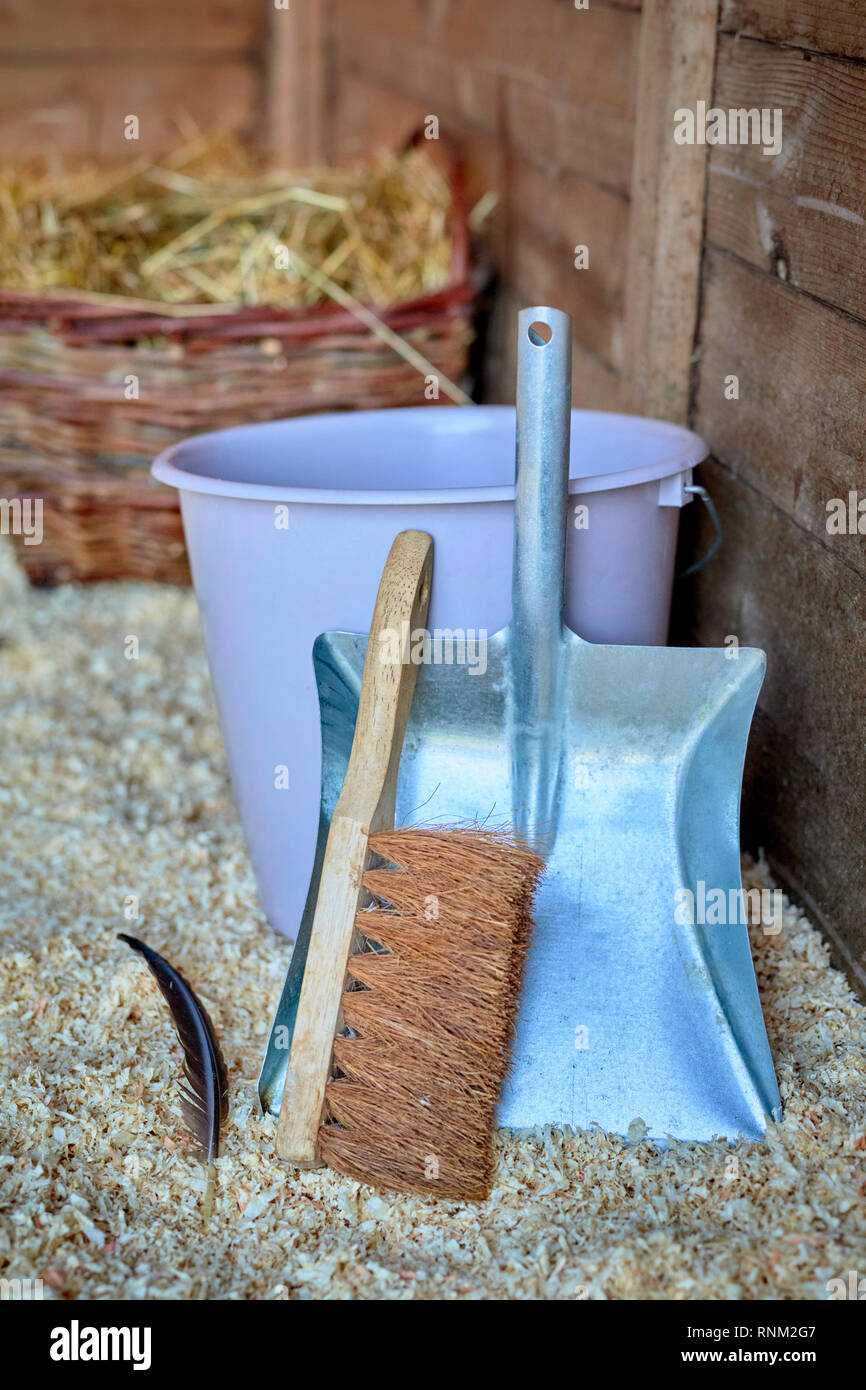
(431, 1009)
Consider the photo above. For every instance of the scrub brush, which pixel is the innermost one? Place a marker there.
(431, 1001)
(415, 1107)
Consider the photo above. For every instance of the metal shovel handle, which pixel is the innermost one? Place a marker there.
(541, 467)
(538, 577)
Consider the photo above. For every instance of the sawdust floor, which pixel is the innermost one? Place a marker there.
(113, 786)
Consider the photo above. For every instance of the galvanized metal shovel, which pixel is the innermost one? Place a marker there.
(623, 765)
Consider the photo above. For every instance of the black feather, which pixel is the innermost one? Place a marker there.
(205, 1101)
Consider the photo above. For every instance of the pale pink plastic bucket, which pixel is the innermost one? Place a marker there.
(288, 526)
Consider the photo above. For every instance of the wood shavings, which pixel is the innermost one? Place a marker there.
(113, 796)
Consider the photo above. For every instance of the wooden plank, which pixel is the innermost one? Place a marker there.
(486, 165)
(106, 26)
(581, 121)
(596, 57)
(409, 23)
(80, 112)
(593, 142)
(676, 56)
(549, 215)
(774, 586)
(513, 36)
(548, 39)
(570, 91)
(825, 26)
(453, 91)
(594, 383)
(788, 810)
(296, 59)
(796, 432)
(802, 214)
(367, 118)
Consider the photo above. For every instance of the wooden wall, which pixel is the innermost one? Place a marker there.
(784, 310)
(71, 70)
(542, 98)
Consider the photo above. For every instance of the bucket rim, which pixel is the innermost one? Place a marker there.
(684, 450)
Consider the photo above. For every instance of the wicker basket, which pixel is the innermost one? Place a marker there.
(70, 436)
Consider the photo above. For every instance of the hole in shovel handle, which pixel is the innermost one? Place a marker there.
(540, 333)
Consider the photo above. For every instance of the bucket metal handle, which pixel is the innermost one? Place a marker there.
(710, 505)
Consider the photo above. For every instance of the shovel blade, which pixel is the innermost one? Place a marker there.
(630, 1011)
(634, 1012)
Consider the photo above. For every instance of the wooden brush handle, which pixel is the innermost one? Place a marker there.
(366, 805)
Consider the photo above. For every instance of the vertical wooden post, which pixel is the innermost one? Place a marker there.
(676, 62)
(296, 82)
